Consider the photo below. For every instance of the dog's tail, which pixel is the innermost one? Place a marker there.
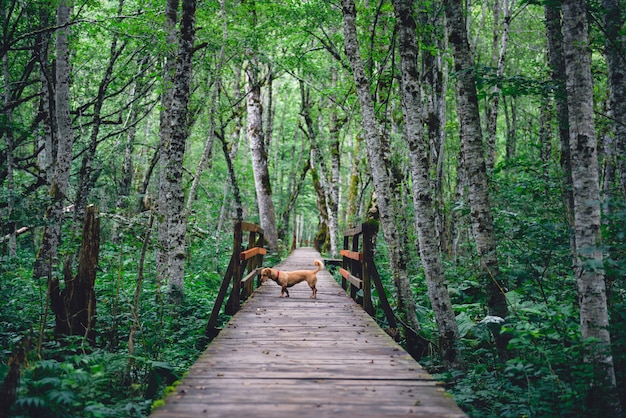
(319, 265)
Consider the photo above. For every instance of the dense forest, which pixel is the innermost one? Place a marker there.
(485, 138)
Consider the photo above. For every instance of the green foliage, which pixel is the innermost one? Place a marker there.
(81, 386)
(73, 379)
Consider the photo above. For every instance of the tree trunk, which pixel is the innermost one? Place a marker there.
(510, 112)
(46, 258)
(165, 132)
(557, 68)
(332, 199)
(434, 87)
(428, 240)
(8, 134)
(615, 45)
(75, 306)
(500, 44)
(380, 176)
(475, 168)
(254, 130)
(353, 209)
(588, 267)
(319, 172)
(175, 196)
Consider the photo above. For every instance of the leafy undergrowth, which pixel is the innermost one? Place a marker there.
(68, 377)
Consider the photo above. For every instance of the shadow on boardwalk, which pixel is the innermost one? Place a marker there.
(302, 357)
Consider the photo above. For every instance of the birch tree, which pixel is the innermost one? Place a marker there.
(64, 144)
(556, 61)
(475, 168)
(500, 45)
(615, 45)
(588, 262)
(165, 132)
(428, 240)
(254, 131)
(175, 195)
(379, 172)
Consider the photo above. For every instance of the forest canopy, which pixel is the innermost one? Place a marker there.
(486, 139)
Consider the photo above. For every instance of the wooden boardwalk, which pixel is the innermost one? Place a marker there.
(300, 357)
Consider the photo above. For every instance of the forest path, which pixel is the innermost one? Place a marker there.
(296, 356)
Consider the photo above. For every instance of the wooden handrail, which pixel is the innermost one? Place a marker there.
(358, 270)
(248, 254)
(352, 279)
(242, 287)
(353, 255)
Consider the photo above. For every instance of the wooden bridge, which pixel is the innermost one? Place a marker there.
(302, 357)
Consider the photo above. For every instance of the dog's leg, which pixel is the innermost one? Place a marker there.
(285, 291)
(314, 295)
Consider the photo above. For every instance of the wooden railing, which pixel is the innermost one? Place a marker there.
(240, 261)
(359, 272)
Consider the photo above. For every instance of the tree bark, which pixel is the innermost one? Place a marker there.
(557, 68)
(319, 172)
(500, 41)
(380, 176)
(165, 132)
(434, 86)
(47, 256)
(8, 134)
(75, 306)
(588, 267)
(425, 219)
(332, 199)
(615, 45)
(254, 129)
(475, 167)
(175, 196)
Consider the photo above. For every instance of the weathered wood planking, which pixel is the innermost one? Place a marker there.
(302, 357)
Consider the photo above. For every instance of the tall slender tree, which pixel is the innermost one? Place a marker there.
(64, 145)
(165, 132)
(178, 114)
(381, 177)
(556, 62)
(254, 130)
(588, 261)
(475, 168)
(425, 219)
(615, 47)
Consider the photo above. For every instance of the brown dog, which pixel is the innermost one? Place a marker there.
(287, 279)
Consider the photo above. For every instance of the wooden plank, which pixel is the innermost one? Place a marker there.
(353, 231)
(353, 255)
(352, 279)
(296, 356)
(248, 254)
(249, 227)
(253, 274)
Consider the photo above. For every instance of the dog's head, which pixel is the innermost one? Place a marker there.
(266, 274)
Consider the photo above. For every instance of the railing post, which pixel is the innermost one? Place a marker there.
(355, 267)
(344, 263)
(233, 301)
(369, 232)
